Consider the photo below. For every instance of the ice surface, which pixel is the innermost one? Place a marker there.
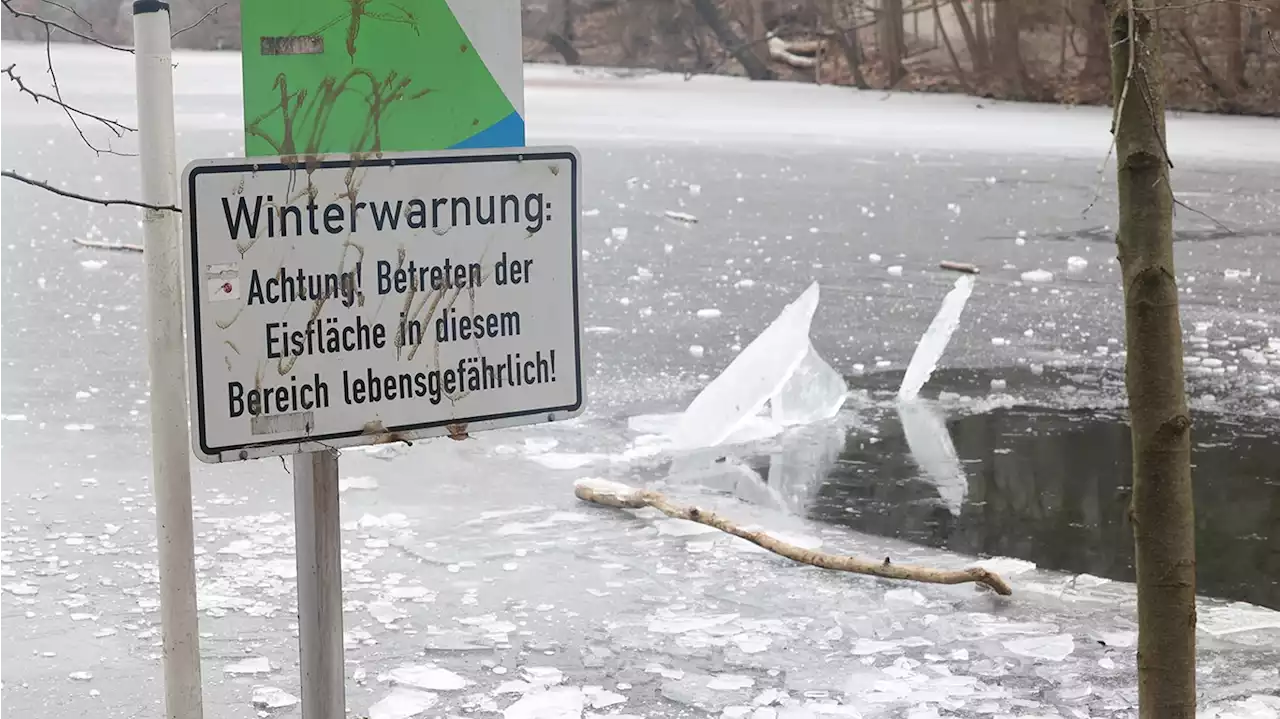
(252, 665)
(424, 677)
(935, 339)
(348, 483)
(557, 703)
(755, 375)
(1053, 648)
(403, 703)
(929, 441)
(272, 698)
(814, 392)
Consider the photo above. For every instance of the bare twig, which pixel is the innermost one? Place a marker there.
(615, 494)
(1119, 108)
(1221, 225)
(69, 9)
(114, 126)
(57, 92)
(212, 11)
(77, 196)
(1198, 3)
(1144, 90)
(51, 25)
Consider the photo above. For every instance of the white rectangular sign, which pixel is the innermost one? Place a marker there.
(340, 301)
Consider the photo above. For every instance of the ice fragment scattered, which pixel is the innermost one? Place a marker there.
(272, 698)
(429, 678)
(252, 665)
(1037, 276)
(557, 703)
(1053, 648)
(403, 703)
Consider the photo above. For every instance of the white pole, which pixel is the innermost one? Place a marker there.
(318, 543)
(170, 459)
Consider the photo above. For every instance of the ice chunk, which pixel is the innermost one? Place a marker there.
(815, 392)
(349, 483)
(80, 676)
(935, 339)
(709, 313)
(680, 216)
(272, 698)
(1053, 648)
(933, 451)
(252, 665)
(543, 676)
(386, 612)
(618, 233)
(431, 678)
(730, 682)
(557, 703)
(403, 703)
(697, 350)
(895, 270)
(1076, 263)
(755, 375)
(1037, 276)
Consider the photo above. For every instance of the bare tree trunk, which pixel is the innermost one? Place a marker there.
(970, 39)
(891, 35)
(710, 14)
(983, 48)
(1096, 34)
(847, 39)
(1007, 54)
(946, 40)
(1235, 45)
(1162, 512)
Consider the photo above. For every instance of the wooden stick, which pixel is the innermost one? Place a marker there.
(959, 267)
(100, 245)
(615, 494)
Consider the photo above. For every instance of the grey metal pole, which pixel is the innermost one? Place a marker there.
(319, 548)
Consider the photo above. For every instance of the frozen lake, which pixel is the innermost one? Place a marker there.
(477, 583)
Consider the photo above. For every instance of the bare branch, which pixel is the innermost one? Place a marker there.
(1199, 3)
(51, 25)
(213, 11)
(69, 9)
(57, 92)
(1119, 108)
(114, 126)
(77, 196)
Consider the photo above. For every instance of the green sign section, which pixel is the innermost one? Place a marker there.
(361, 76)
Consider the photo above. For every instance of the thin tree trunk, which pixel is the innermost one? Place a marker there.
(980, 28)
(847, 39)
(970, 39)
(756, 68)
(1096, 52)
(1007, 54)
(1235, 45)
(1161, 512)
(946, 40)
(890, 29)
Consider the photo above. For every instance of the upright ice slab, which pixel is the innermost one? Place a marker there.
(814, 392)
(752, 378)
(934, 341)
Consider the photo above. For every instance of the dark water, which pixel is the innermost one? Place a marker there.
(1050, 485)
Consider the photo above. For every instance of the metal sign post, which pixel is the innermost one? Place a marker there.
(170, 464)
(326, 76)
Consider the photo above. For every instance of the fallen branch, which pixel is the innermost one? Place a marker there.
(87, 198)
(101, 245)
(615, 494)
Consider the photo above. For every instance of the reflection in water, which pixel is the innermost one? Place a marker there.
(925, 429)
(1050, 486)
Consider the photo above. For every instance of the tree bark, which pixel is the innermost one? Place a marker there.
(891, 35)
(1007, 55)
(946, 40)
(1095, 30)
(756, 69)
(1235, 45)
(970, 39)
(1161, 512)
(983, 48)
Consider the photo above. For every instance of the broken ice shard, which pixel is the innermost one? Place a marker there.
(754, 376)
(935, 339)
(403, 703)
(815, 392)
